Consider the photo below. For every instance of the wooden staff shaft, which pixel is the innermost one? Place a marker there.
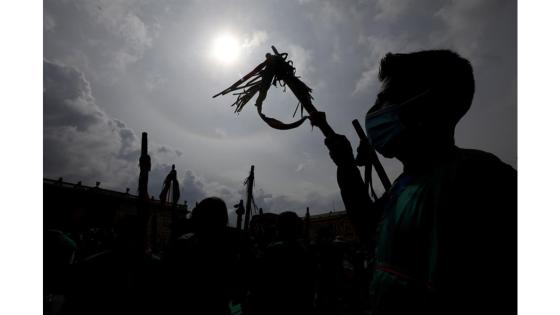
(374, 159)
(249, 206)
(298, 88)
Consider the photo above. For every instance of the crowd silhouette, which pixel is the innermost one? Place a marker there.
(207, 268)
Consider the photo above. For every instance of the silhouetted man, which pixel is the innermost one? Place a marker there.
(206, 269)
(447, 233)
(285, 273)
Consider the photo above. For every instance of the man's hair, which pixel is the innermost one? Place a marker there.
(444, 72)
(211, 211)
(289, 225)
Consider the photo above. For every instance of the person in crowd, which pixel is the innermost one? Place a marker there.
(206, 270)
(447, 227)
(329, 275)
(285, 273)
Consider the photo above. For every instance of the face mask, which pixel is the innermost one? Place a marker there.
(384, 125)
(383, 128)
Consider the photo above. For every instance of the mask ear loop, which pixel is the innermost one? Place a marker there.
(422, 121)
(398, 106)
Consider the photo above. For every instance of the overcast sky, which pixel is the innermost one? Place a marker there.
(113, 69)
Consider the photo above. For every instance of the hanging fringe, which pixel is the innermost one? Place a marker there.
(275, 70)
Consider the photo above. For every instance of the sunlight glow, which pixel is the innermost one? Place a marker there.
(226, 48)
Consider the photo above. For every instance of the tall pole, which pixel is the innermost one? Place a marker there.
(373, 156)
(249, 204)
(145, 165)
(307, 225)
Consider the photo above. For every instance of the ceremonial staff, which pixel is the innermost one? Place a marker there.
(372, 159)
(143, 203)
(249, 181)
(276, 69)
(240, 211)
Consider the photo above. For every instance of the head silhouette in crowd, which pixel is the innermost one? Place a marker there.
(289, 226)
(210, 216)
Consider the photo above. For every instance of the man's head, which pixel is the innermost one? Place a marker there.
(289, 226)
(423, 96)
(210, 216)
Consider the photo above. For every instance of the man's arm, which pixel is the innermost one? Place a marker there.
(362, 212)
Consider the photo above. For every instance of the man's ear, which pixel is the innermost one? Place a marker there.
(413, 118)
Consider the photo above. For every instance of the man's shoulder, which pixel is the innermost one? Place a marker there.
(482, 159)
(477, 155)
(482, 168)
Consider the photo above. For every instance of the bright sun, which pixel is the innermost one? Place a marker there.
(226, 48)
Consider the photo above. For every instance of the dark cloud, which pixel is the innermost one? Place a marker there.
(67, 99)
(129, 150)
(163, 149)
(81, 142)
(193, 189)
(169, 151)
